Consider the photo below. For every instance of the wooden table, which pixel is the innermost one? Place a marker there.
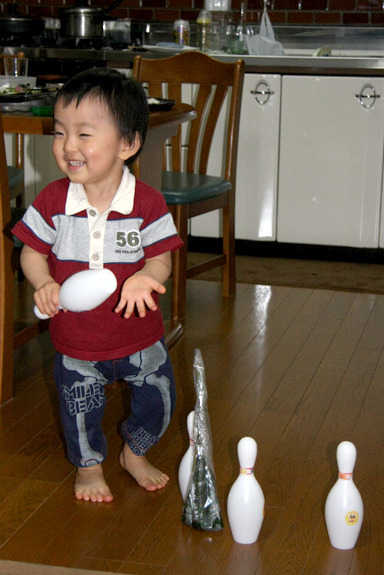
(148, 167)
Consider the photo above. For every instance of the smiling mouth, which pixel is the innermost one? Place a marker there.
(75, 164)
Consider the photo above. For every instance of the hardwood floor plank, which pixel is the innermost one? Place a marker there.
(274, 348)
(21, 404)
(33, 454)
(264, 337)
(36, 531)
(28, 427)
(21, 504)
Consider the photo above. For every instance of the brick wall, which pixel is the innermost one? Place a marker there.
(304, 12)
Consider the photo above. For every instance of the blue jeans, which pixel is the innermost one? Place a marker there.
(80, 386)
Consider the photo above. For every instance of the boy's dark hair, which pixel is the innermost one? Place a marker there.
(124, 97)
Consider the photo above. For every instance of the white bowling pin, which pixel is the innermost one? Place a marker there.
(84, 290)
(344, 508)
(186, 464)
(245, 504)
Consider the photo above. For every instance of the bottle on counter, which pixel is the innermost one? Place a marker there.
(238, 43)
(203, 28)
(220, 12)
(181, 32)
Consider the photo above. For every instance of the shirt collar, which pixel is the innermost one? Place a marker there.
(123, 201)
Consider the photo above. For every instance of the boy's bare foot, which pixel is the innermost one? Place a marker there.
(90, 485)
(139, 467)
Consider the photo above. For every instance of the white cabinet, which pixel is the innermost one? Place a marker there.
(257, 164)
(331, 161)
(258, 154)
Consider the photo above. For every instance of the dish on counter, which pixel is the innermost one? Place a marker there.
(24, 93)
(160, 104)
(168, 47)
(16, 81)
(24, 97)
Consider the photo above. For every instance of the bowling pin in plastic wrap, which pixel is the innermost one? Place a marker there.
(186, 465)
(201, 508)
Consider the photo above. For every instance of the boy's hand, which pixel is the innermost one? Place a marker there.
(47, 298)
(137, 292)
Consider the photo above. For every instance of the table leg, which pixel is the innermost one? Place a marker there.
(19, 155)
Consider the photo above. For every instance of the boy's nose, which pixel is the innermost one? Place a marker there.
(69, 144)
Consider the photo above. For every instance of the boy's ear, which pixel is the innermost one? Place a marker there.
(129, 149)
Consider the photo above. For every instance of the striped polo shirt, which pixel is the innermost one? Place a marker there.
(62, 225)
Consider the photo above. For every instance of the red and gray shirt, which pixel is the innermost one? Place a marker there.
(75, 236)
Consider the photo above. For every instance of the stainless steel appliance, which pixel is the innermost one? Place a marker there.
(84, 21)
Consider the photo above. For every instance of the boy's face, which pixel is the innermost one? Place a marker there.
(87, 145)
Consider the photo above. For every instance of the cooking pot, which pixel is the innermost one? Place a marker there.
(83, 21)
(13, 24)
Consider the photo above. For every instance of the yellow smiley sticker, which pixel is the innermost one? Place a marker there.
(352, 518)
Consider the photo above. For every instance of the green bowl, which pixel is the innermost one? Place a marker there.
(42, 110)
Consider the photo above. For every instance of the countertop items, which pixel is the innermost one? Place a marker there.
(295, 60)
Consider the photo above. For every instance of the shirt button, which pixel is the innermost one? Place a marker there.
(97, 235)
(92, 213)
(95, 257)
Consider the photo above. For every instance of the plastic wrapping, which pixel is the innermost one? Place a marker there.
(264, 43)
(201, 508)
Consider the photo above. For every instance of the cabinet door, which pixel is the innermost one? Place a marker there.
(258, 153)
(331, 156)
(257, 162)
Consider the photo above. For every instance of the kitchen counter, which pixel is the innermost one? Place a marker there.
(340, 65)
(355, 51)
(294, 62)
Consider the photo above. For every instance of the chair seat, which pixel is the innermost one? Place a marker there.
(186, 188)
(15, 177)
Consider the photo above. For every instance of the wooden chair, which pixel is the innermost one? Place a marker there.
(9, 263)
(188, 189)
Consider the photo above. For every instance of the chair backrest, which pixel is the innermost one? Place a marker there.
(212, 81)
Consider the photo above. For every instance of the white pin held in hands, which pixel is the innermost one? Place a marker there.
(344, 508)
(245, 504)
(84, 291)
(186, 465)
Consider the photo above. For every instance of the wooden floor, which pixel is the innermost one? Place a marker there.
(299, 370)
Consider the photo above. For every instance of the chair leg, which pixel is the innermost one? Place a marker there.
(229, 268)
(179, 271)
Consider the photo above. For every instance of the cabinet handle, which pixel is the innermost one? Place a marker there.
(367, 96)
(262, 92)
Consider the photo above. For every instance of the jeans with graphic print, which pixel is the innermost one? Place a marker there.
(80, 386)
